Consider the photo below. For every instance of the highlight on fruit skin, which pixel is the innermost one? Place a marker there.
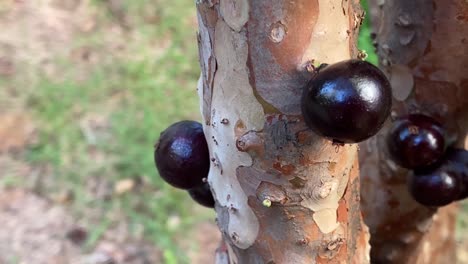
(444, 184)
(347, 102)
(437, 188)
(416, 141)
(456, 162)
(202, 195)
(181, 155)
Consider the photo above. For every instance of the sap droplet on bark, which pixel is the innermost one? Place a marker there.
(267, 191)
(277, 32)
(402, 82)
(266, 203)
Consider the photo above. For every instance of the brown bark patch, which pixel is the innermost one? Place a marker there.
(279, 33)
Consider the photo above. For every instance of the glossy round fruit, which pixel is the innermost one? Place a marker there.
(181, 155)
(416, 141)
(437, 188)
(457, 163)
(202, 195)
(347, 101)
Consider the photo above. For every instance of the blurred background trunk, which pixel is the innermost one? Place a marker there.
(423, 48)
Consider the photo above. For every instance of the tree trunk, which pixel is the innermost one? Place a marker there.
(423, 47)
(375, 14)
(283, 194)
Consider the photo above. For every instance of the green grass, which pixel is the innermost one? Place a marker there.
(151, 94)
(139, 95)
(364, 41)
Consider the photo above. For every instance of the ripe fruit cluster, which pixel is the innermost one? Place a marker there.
(182, 160)
(440, 174)
(347, 102)
(416, 141)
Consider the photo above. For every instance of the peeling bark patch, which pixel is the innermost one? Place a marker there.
(331, 22)
(297, 183)
(285, 169)
(279, 134)
(406, 29)
(251, 142)
(353, 7)
(332, 245)
(207, 62)
(402, 81)
(358, 19)
(279, 32)
(232, 99)
(430, 94)
(331, 248)
(235, 13)
(324, 190)
(222, 255)
(446, 61)
(326, 220)
(216, 163)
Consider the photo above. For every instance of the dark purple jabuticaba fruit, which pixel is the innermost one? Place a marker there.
(436, 188)
(347, 101)
(202, 195)
(416, 141)
(456, 162)
(181, 155)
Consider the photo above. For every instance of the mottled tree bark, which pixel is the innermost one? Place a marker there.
(375, 13)
(423, 47)
(283, 194)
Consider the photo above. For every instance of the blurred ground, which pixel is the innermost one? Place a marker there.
(41, 232)
(85, 88)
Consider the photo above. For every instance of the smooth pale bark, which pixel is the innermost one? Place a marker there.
(423, 47)
(283, 194)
